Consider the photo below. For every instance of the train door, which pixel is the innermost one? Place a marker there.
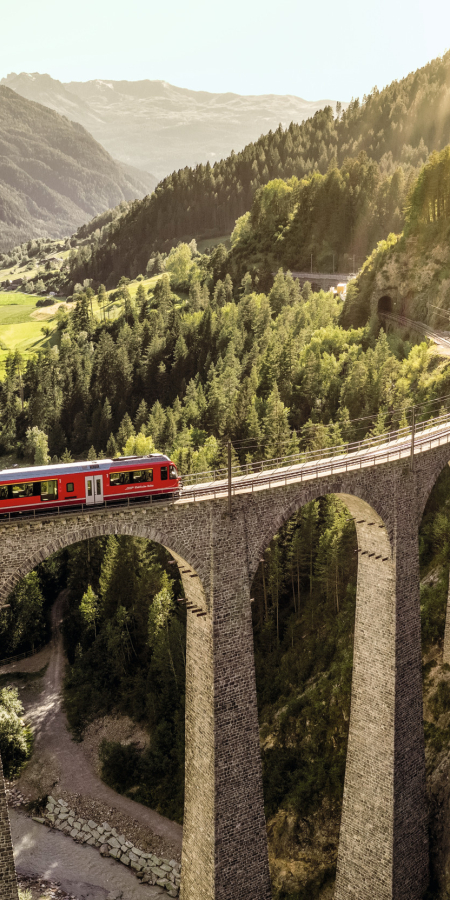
(94, 489)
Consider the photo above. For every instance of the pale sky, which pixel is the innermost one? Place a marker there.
(315, 50)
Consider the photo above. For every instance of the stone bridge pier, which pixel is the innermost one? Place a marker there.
(383, 851)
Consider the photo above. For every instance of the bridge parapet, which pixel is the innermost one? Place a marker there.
(383, 840)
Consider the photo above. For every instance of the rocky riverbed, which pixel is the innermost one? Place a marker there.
(58, 868)
(148, 868)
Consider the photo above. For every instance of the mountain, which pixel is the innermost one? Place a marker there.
(159, 127)
(53, 174)
(395, 128)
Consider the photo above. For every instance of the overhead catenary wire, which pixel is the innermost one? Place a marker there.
(298, 433)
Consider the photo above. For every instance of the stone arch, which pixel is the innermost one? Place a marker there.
(367, 819)
(178, 549)
(359, 504)
(56, 534)
(426, 486)
(427, 473)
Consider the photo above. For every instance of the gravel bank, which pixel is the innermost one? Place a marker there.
(78, 869)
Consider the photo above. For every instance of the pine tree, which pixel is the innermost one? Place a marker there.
(195, 296)
(89, 610)
(126, 430)
(141, 297)
(276, 425)
(141, 416)
(111, 447)
(102, 300)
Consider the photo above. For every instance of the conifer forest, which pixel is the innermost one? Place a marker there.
(177, 324)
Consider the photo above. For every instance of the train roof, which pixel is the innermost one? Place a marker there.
(72, 468)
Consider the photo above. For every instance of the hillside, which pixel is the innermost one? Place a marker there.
(150, 367)
(159, 127)
(53, 174)
(411, 270)
(396, 128)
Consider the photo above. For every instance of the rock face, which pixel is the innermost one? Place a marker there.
(149, 869)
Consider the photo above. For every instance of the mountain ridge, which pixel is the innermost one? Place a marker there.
(53, 174)
(159, 127)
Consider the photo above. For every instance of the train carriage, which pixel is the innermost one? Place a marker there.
(89, 483)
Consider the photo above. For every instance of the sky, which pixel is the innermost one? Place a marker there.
(315, 50)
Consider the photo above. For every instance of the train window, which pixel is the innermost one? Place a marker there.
(138, 477)
(69, 487)
(163, 471)
(49, 490)
(118, 478)
(21, 490)
(173, 472)
(3, 492)
(142, 475)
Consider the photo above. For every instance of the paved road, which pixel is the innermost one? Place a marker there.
(49, 725)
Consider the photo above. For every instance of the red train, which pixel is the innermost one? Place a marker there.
(87, 483)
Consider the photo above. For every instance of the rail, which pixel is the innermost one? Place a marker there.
(403, 443)
(305, 456)
(417, 326)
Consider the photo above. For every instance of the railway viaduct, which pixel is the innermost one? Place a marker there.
(383, 850)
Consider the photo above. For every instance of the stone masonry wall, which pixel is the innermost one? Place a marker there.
(368, 803)
(198, 827)
(241, 842)
(383, 845)
(8, 884)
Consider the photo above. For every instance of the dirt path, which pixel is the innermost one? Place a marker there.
(30, 664)
(55, 751)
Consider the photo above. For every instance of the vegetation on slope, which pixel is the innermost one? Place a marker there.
(53, 174)
(16, 741)
(412, 268)
(194, 357)
(396, 128)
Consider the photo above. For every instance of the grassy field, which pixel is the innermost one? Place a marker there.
(20, 325)
(21, 321)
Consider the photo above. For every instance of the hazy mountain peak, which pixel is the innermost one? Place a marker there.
(158, 126)
(53, 173)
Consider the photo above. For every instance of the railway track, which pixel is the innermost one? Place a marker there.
(403, 443)
(420, 327)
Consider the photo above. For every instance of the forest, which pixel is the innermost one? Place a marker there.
(182, 370)
(395, 128)
(221, 346)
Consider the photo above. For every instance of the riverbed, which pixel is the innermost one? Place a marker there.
(80, 869)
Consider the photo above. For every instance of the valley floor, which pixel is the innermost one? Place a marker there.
(78, 869)
(61, 766)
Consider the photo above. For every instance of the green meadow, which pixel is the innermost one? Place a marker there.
(21, 321)
(20, 329)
